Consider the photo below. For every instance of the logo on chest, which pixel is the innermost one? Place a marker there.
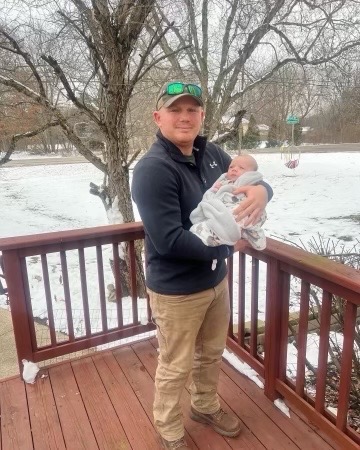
(213, 164)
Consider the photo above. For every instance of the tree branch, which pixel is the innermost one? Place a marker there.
(83, 150)
(89, 43)
(183, 43)
(155, 40)
(71, 95)
(17, 137)
(26, 58)
(164, 44)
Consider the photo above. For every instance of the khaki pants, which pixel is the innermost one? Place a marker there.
(192, 331)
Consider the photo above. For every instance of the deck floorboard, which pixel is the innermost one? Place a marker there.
(104, 401)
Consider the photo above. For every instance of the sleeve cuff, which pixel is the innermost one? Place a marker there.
(225, 251)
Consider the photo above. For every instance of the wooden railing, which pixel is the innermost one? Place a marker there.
(63, 311)
(288, 274)
(274, 278)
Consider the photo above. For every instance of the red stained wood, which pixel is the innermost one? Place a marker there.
(298, 431)
(254, 305)
(19, 312)
(325, 317)
(84, 291)
(69, 240)
(241, 299)
(338, 440)
(45, 424)
(15, 424)
(105, 401)
(274, 294)
(203, 436)
(302, 337)
(105, 423)
(50, 313)
(282, 261)
(102, 296)
(346, 365)
(230, 266)
(131, 414)
(131, 251)
(67, 296)
(264, 429)
(140, 380)
(73, 418)
(118, 284)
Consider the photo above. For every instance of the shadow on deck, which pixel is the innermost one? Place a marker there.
(104, 401)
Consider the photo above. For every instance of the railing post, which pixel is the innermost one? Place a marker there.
(19, 312)
(272, 328)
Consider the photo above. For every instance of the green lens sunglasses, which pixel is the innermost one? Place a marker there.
(177, 88)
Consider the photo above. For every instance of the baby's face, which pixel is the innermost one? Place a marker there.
(239, 166)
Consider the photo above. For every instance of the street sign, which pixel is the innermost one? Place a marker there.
(292, 120)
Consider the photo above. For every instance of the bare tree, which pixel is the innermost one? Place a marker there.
(236, 45)
(89, 48)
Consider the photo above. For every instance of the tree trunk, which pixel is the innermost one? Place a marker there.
(119, 190)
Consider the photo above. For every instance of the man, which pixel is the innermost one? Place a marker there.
(189, 300)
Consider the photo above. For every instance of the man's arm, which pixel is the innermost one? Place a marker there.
(155, 190)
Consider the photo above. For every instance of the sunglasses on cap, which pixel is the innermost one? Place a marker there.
(177, 88)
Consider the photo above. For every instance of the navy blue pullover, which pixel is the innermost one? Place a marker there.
(166, 187)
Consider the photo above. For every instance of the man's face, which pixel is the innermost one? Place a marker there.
(180, 122)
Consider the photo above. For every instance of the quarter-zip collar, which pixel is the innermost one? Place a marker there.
(176, 154)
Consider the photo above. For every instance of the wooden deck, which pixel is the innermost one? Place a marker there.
(104, 401)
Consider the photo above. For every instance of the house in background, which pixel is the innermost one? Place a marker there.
(227, 124)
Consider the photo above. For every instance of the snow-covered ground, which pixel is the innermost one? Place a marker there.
(319, 197)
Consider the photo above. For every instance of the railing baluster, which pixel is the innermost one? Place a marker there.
(230, 266)
(241, 299)
(118, 290)
(346, 365)
(254, 305)
(20, 317)
(133, 282)
(284, 281)
(30, 314)
(84, 291)
(100, 268)
(272, 332)
(65, 277)
(49, 306)
(325, 319)
(302, 337)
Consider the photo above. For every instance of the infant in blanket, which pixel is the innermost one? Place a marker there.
(213, 220)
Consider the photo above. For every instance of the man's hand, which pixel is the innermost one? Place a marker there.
(253, 206)
(240, 245)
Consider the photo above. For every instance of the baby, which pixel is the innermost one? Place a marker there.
(213, 220)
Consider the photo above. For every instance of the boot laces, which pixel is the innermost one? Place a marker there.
(178, 443)
(218, 415)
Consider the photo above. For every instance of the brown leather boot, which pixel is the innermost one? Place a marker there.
(220, 421)
(179, 444)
